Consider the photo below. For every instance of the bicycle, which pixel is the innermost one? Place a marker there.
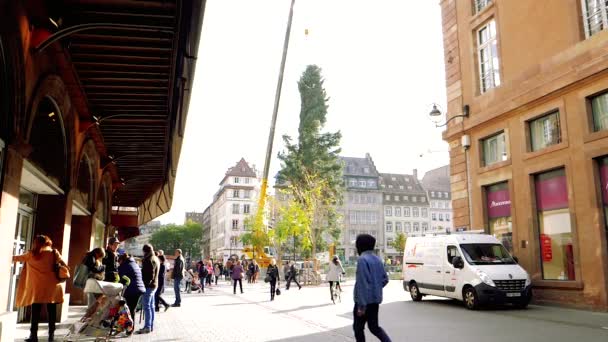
(336, 291)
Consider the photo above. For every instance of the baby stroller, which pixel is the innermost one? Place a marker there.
(108, 317)
(196, 284)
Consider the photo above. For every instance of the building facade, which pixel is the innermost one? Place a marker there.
(405, 208)
(194, 217)
(87, 151)
(436, 183)
(206, 243)
(134, 245)
(530, 161)
(234, 202)
(362, 205)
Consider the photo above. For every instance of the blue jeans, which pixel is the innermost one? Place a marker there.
(178, 296)
(148, 307)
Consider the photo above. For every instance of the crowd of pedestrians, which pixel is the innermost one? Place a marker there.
(40, 283)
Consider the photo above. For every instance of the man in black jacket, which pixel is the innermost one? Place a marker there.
(178, 275)
(111, 259)
(293, 273)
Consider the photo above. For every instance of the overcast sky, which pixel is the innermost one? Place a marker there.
(383, 66)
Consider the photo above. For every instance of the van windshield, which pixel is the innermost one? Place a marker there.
(486, 254)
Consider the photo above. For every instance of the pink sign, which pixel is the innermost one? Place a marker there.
(604, 183)
(552, 193)
(499, 203)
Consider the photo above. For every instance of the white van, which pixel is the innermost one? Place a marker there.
(474, 268)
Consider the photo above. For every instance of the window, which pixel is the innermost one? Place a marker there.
(393, 179)
(406, 212)
(447, 217)
(440, 194)
(498, 211)
(235, 208)
(603, 166)
(366, 170)
(487, 54)
(432, 193)
(440, 217)
(452, 252)
(481, 4)
(352, 182)
(235, 194)
(362, 183)
(390, 186)
(414, 199)
(352, 217)
(234, 241)
(387, 197)
(425, 212)
(373, 217)
(246, 209)
(544, 131)
(416, 227)
(247, 193)
(594, 16)
(401, 187)
(353, 235)
(389, 227)
(494, 149)
(599, 110)
(396, 198)
(388, 211)
(398, 227)
(415, 212)
(407, 227)
(445, 194)
(247, 180)
(235, 224)
(433, 216)
(409, 187)
(425, 226)
(406, 198)
(555, 239)
(398, 211)
(423, 199)
(371, 183)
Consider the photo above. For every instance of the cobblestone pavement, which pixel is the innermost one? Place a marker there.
(308, 315)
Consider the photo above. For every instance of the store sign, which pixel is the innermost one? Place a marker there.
(499, 203)
(545, 247)
(552, 193)
(604, 183)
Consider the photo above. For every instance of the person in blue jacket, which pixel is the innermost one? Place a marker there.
(129, 268)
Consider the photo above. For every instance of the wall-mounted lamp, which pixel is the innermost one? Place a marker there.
(436, 115)
(98, 120)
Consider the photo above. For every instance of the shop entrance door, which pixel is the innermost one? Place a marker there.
(21, 243)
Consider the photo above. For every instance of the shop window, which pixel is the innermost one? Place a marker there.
(498, 210)
(494, 149)
(544, 131)
(555, 239)
(599, 111)
(603, 165)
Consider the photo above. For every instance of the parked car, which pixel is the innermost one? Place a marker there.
(473, 268)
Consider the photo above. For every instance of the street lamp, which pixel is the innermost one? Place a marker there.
(436, 115)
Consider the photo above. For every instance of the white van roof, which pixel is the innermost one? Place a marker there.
(459, 238)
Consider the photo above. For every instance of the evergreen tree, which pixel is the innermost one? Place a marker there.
(312, 166)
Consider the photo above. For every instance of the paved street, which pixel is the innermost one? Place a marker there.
(307, 315)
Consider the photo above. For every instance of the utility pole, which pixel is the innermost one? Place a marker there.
(277, 98)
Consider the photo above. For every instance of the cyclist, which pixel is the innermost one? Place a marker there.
(333, 276)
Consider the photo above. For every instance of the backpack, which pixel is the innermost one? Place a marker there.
(202, 271)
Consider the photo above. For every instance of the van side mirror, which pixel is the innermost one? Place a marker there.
(516, 259)
(457, 262)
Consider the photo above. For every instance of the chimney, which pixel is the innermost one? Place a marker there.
(416, 174)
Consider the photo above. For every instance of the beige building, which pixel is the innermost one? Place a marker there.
(529, 161)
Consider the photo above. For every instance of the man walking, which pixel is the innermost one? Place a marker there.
(293, 273)
(371, 279)
(110, 260)
(149, 274)
(178, 275)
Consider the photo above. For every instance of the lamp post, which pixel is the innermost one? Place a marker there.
(436, 115)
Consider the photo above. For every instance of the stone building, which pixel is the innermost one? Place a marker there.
(529, 155)
(406, 208)
(233, 203)
(194, 217)
(206, 243)
(362, 205)
(436, 183)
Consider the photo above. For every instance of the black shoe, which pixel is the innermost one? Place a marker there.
(157, 310)
(32, 338)
(167, 307)
(143, 331)
(51, 336)
(176, 305)
(299, 287)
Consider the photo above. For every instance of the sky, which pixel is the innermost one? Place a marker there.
(383, 66)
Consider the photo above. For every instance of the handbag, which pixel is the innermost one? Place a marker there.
(278, 292)
(267, 278)
(80, 276)
(62, 271)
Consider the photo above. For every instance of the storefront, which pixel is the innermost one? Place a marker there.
(498, 212)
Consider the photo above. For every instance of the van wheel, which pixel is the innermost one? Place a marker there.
(470, 298)
(415, 292)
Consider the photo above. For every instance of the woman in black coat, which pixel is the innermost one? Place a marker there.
(273, 275)
(161, 285)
